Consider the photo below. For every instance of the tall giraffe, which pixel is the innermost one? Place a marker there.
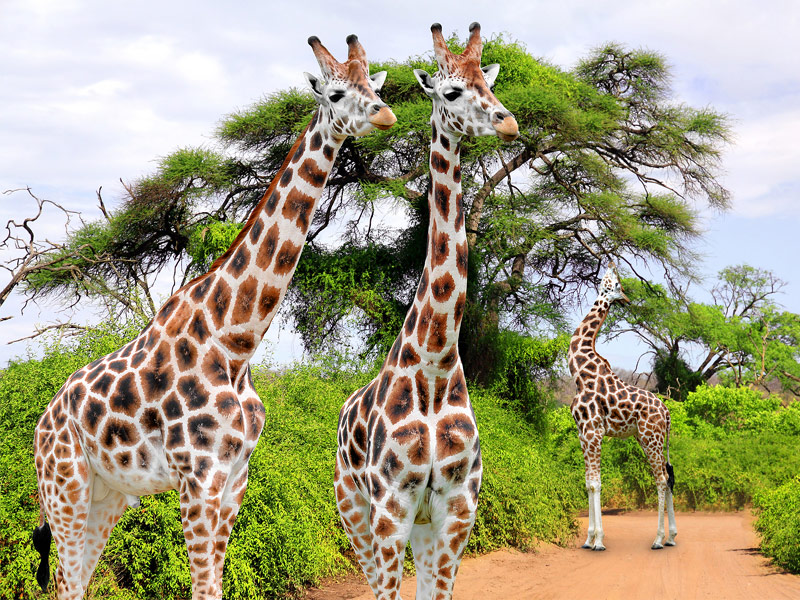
(606, 405)
(408, 464)
(176, 408)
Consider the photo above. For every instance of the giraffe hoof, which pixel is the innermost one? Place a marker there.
(656, 547)
(586, 546)
(599, 548)
(672, 543)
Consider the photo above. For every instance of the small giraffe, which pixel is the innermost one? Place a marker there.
(606, 405)
(408, 464)
(176, 408)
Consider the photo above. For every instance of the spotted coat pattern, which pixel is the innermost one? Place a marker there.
(606, 405)
(176, 408)
(408, 465)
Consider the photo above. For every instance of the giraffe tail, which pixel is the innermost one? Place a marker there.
(42, 538)
(670, 470)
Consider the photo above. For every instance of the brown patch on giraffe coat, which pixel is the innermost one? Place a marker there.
(392, 466)
(311, 173)
(423, 285)
(401, 400)
(267, 248)
(439, 390)
(92, 415)
(440, 249)
(462, 258)
(449, 359)
(457, 393)
(287, 257)
(163, 314)
(425, 316)
(384, 528)
(219, 302)
(423, 395)
(246, 294)
(272, 202)
(186, 353)
(156, 377)
(458, 507)
(437, 336)
(270, 297)
(200, 429)
(286, 177)
(411, 321)
(215, 367)
(125, 398)
(255, 230)
(102, 384)
(458, 310)
(239, 261)
(198, 328)
(150, 420)
(383, 389)
(173, 409)
(377, 441)
(442, 287)
(452, 431)
(239, 343)
(455, 472)
(316, 142)
(200, 290)
(460, 532)
(354, 457)
(118, 432)
(441, 196)
(193, 391)
(439, 163)
(415, 439)
(297, 208)
(408, 357)
(359, 435)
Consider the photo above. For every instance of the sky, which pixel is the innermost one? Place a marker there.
(94, 92)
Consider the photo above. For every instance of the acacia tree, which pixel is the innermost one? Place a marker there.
(607, 165)
(742, 336)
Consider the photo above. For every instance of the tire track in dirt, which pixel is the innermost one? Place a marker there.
(716, 557)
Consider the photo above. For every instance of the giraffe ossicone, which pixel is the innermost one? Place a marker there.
(176, 408)
(604, 405)
(408, 464)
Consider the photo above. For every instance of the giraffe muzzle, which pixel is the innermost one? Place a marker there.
(507, 129)
(384, 118)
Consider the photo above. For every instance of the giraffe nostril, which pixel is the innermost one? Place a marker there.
(499, 116)
(376, 108)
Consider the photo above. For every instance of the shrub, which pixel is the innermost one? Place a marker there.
(778, 524)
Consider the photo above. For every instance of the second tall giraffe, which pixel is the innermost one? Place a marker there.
(409, 463)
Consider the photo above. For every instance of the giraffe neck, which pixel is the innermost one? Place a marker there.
(244, 288)
(586, 333)
(434, 321)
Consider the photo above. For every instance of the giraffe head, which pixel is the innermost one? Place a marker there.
(611, 288)
(347, 92)
(463, 102)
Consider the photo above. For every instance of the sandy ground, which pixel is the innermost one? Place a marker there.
(716, 557)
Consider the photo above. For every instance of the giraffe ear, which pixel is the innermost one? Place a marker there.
(315, 83)
(426, 81)
(376, 81)
(490, 73)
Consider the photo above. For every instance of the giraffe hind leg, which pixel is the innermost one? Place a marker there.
(103, 515)
(673, 529)
(423, 542)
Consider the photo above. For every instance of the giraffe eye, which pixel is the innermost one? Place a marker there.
(452, 95)
(336, 96)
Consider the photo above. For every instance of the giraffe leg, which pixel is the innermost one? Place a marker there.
(423, 541)
(354, 513)
(591, 444)
(673, 528)
(229, 511)
(105, 510)
(390, 529)
(654, 449)
(200, 511)
(452, 518)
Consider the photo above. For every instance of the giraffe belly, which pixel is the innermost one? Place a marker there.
(147, 471)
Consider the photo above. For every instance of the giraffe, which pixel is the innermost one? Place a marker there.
(408, 465)
(176, 408)
(606, 405)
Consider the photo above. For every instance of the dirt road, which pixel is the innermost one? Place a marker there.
(716, 557)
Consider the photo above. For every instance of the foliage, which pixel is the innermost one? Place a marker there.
(525, 372)
(742, 336)
(779, 524)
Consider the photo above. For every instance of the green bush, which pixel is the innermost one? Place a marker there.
(778, 524)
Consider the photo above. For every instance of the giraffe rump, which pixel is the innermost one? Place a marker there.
(41, 541)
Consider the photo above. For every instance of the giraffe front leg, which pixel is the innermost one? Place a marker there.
(229, 511)
(200, 510)
(591, 444)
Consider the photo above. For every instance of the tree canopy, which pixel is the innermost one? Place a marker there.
(608, 165)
